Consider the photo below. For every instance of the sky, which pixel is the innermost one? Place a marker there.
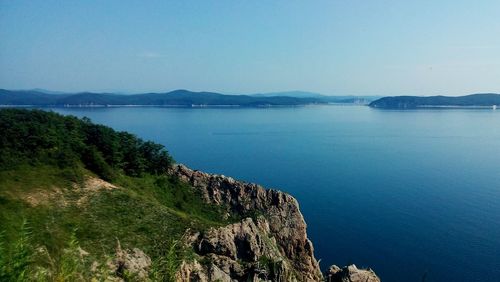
(335, 47)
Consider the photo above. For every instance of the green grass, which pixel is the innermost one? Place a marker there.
(48, 209)
(151, 213)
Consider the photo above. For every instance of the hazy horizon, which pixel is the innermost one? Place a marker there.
(56, 92)
(356, 48)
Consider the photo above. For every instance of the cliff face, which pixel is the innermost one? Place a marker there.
(275, 237)
(270, 244)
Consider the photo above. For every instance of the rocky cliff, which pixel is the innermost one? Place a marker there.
(70, 189)
(269, 244)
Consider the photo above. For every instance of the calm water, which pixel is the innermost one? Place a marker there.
(413, 194)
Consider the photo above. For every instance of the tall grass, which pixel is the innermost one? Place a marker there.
(15, 263)
(3, 257)
(19, 262)
(25, 262)
(165, 266)
(72, 265)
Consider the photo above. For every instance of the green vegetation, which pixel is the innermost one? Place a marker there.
(413, 102)
(60, 222)
(182, 98)
(36, 137)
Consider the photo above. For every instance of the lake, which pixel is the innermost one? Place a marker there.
(413, 194)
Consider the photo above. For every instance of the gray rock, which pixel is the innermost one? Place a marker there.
(134, 262)
(270, 247)
(283, 220)
(350, 274)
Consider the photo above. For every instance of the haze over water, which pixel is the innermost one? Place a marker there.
(412, 194)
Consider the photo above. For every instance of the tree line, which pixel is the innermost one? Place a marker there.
(36, 136)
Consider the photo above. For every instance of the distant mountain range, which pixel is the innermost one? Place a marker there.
(326, 98)
(413, 102)
(296, 94)
(40, 97)
(185, 98)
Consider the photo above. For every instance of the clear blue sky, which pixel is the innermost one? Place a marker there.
(334, 47)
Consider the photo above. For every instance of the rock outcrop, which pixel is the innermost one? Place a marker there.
(280, 226)
(350, 274)
(243, 251)
(133, 262)
(269, 244)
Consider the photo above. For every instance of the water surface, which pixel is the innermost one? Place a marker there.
(413, 194)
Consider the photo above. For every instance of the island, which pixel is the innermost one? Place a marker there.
(487, 100)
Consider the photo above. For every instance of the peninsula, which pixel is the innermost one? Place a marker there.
(81, 201)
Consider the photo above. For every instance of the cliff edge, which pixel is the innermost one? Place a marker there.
(71, 190)
(269, 244)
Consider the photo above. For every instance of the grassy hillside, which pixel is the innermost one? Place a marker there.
(60, 221)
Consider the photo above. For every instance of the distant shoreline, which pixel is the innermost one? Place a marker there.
(454, 107)
(165, 106)
(176, 98)
(473, 101)
(431, 107)
(252, 106)
(194, 106)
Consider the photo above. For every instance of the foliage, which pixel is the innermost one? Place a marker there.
(18, 264)
(35, 136)
(14, 264)
(74, 264)
(46, 162)
(165, 267)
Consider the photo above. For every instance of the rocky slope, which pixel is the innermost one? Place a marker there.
(269, 244)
